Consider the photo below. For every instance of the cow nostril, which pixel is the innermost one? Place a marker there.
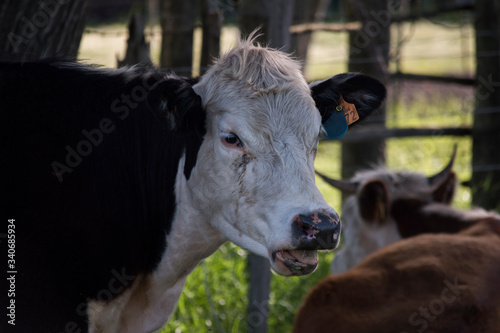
(308, 229)
(318, 230)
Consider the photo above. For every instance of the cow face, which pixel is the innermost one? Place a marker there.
(254, 175)
(380, 209)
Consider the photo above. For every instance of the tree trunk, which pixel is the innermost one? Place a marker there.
(41, 29)
(211, 20)
(486, 128)
(368, 54)
(137, 48)
(274, 17)
(177, 19)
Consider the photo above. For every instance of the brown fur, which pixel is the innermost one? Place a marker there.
(391, 289)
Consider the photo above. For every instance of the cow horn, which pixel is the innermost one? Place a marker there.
(347, 186)
(438, 178)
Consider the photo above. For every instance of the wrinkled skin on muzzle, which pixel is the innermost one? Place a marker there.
(317, 231)
(310, 232)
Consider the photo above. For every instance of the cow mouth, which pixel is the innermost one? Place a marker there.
(294, 262)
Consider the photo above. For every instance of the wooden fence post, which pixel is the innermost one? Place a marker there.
(137, 48)
(258, 293)
(369, 54)
(177, 19)
(211, 21)
(305, 11)
(486, 127)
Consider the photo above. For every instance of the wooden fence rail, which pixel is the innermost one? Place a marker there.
(363, 134)
(441, 79)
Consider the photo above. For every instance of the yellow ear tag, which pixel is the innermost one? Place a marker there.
(350, 112)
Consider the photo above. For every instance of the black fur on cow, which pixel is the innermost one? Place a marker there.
(70, 133)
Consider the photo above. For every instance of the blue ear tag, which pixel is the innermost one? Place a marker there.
(336, 124)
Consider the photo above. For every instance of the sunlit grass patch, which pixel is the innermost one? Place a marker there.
(437, 49)
(430, 155)
(215, 295)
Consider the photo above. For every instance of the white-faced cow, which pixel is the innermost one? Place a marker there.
(120, 182)
(368, 220)
(446, 283)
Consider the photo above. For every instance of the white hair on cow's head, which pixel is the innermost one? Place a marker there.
(257, 97)
(266, 85)
(253, 65)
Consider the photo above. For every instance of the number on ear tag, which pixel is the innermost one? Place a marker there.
(350, 112)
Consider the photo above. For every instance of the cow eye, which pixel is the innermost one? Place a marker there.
(231, 140)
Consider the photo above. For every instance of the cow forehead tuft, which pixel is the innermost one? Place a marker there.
(264, 85)
(256, 69)
(265, 70)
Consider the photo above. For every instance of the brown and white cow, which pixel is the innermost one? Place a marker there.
(368, 221)
(446, 283)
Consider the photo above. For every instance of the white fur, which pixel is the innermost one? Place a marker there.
(361, 238)
(248, 196)
(260, 95)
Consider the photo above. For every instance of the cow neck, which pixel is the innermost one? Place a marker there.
(192, 237)
(154, 152)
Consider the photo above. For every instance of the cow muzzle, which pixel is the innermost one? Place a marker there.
(319, 230)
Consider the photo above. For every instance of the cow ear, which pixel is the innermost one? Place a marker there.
(373, 201)
(178, 104)
(446, 190)
(346, 92)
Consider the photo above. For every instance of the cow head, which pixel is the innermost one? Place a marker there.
(370, 222)
(254, 174)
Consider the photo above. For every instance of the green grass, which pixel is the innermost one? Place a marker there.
(215, 296)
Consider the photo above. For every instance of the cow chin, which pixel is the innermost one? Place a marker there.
(293, 262)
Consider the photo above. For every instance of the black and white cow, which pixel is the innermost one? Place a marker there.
(121, 181)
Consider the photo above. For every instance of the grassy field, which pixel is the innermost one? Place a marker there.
(215, 296)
